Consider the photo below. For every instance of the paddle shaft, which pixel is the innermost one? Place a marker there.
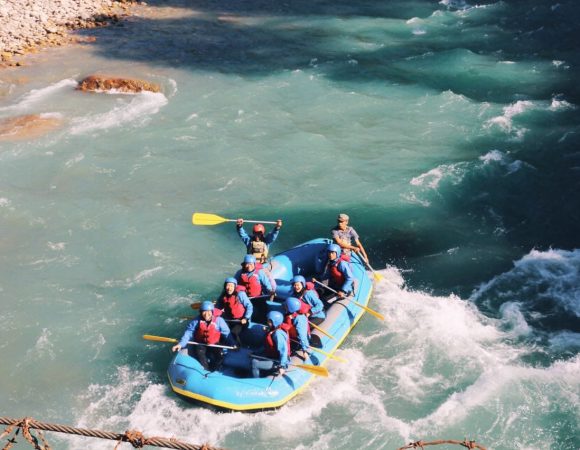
(150, 337)
(366, 308)
(322, 352)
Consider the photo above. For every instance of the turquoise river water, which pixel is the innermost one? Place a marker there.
(449, 132)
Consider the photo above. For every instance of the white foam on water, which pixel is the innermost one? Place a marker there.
(36, 96)
(129, 282)
(432, 178)
(4, 202)
(559, 104)
(137, 111)
(505, 121)
(553, 274)
(494, 155)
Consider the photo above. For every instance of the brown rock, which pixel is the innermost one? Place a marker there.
(100, 83)
(26, 127)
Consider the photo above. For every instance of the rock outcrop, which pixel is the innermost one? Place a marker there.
(30, 126)
(26, 25)
(101, 83)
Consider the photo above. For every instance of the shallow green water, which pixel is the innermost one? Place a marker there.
(448, 132)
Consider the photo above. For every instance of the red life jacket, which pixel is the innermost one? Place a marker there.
(233, 308)
(270, 346)
(289, 326)
(336, 276)
(304, 307)
(252, 283)
(207, 333)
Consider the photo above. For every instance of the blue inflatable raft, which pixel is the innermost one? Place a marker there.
(232, 388)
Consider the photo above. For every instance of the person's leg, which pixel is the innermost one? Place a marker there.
(216, 356)
(259, 364)
(199, 353)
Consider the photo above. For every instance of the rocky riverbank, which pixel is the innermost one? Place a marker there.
(28, 25)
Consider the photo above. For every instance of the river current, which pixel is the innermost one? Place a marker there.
(448, 131)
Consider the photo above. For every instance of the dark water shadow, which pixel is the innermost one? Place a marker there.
(358, 42)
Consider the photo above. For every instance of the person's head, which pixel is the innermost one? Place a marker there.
(342, 221)
(275, 319)
(258, 231)
(230, 285)
(292, 305)
(206, 310)
(249, 263)
(333, 251)
(298, 283)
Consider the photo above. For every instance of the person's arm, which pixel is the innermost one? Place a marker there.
(344, 267)
(282, 347)
(242, 233)
(244, 300)
(341, 242)
(189, 331)
(224, 330)
(315, 303)
(273, 235)
(265, 282)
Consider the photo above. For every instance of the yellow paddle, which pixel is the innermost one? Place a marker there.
(313, 325)
(329, 355)
(337, 358)
(150, 337)
(376, 275)
(372, 312)
(316, 370)
(214, 219)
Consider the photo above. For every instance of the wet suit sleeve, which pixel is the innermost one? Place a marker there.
(315, 303)
(244, 236)
(265, 282)
(245, 301)
(344, 267)
(282, 347)
(272, 236)
(189, 332)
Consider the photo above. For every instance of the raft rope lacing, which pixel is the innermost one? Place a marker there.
(465, 443)
(135, 438)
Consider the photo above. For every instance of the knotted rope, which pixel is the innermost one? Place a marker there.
(465, 443)
(135, 438)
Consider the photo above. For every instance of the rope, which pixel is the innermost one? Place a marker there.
(135, 438)
(465, 443)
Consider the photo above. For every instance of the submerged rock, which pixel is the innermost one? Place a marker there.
(100, 83)
(30, 126)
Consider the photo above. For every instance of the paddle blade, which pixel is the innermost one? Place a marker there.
(316, 327)
(372, 312)
(159, 338)
(329, 355)
(207, 219)
(377, 276)
(316, 370)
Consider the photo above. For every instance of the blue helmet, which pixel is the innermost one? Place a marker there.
(276, 318)
(206, 306)
(249, 259)
(299, 279)
(230, 280)
(334, 248)
(292, 304)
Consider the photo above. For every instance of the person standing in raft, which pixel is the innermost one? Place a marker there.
(256, 283)
(207, 329)
(236, 307)
(276, 348)
(338, 272)
(296, 323)
(344, 236)
(258, 244)
(310, 297)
